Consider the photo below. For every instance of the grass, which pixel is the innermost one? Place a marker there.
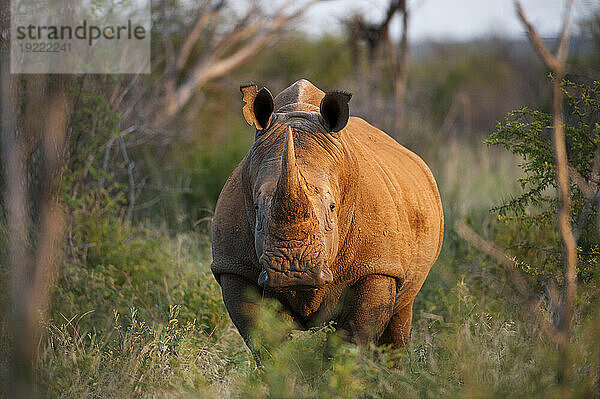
(143, 317)
(472, 346)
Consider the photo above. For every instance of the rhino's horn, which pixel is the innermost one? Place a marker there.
(289, 178)
(290, 200)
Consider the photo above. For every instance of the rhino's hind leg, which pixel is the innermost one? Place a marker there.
(240, 300)
(372, 307)
(397, 332)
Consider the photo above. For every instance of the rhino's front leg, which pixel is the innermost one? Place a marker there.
(240, 299)
(372, 306)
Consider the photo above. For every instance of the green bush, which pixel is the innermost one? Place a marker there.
(110, 263)
(531, 232)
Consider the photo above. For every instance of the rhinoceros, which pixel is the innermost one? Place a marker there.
(328, 215)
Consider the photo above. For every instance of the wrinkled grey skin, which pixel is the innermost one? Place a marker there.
(295, 230)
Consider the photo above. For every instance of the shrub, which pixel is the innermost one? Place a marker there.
(531, 233)
(111, 263)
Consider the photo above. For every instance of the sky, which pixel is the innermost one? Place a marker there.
(459, 20)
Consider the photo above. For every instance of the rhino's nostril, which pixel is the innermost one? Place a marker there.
(326, 274)
(262, 278)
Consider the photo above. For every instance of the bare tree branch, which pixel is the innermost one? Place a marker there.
(166, 36)
(18, 259)
(212, 65)
(375, 34)
(591, 192)
(557, 65)
(238, 35)
(401, 71)
(563, 46)
(535, 38)
(586, 189)
(52, 220)
(383, 30)
(203, 19)
(32, 264)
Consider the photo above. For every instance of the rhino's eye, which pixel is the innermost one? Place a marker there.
(332, 207)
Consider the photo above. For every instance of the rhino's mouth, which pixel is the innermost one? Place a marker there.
(293, 269)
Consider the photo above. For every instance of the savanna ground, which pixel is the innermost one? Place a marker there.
(136, 312)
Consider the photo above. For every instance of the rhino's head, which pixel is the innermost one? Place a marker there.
(294, 181)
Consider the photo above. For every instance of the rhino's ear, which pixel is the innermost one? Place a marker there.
(335, 110)
(258, 105)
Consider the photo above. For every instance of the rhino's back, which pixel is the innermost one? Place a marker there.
(399, 216)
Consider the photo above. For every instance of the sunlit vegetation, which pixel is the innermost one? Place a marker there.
(136, 312)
